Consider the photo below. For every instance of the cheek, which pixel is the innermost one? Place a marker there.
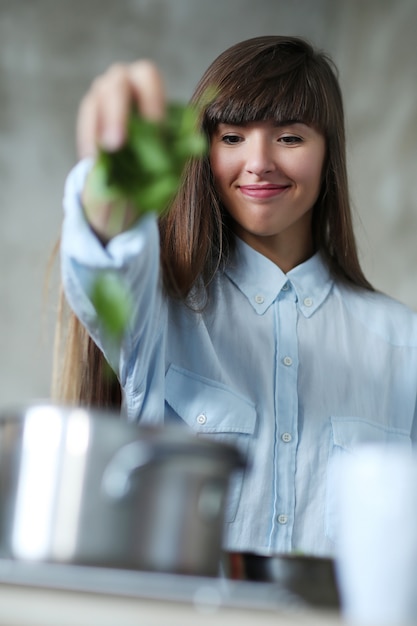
(214, 166)
(220, 171)
(310, 170)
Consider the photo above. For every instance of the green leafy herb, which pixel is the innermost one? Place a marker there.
(112, 303)
(147, 170)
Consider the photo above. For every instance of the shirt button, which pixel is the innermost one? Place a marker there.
(308, 301)
(287, 360)
(282, 519)
(202, 419)
(286, 437)
(285, 287)
(259, 299)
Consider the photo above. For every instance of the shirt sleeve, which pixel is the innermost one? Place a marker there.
(134, 257)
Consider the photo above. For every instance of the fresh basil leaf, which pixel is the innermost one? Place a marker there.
(112, 303)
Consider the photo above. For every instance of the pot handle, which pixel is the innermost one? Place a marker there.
(117, 475)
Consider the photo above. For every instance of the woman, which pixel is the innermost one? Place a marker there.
(253, 322)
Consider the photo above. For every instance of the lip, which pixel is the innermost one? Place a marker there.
(263, 191)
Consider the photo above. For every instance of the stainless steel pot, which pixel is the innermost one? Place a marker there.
(79, 486)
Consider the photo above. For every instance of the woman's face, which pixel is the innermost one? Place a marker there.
(269, 177)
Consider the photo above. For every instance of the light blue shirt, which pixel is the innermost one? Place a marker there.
(295, 369)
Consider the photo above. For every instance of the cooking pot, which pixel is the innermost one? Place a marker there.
(311, 578)
(86, 487)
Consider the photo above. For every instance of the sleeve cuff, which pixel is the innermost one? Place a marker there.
(79, 242)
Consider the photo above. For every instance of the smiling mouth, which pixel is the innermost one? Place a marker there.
(263, 191)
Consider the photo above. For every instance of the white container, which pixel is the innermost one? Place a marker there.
(377, 544)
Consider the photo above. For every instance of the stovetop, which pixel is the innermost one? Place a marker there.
(149, 585)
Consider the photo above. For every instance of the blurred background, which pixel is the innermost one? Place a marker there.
(50, 50)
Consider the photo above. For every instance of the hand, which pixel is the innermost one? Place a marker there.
(102, 123)
(104, 110)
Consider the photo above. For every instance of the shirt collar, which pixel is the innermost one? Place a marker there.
(262, 282)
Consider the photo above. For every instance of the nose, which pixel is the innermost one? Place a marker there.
(260, 158)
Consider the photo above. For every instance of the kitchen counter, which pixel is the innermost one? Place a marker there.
(60, 595)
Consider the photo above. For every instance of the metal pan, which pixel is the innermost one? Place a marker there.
(311, 578)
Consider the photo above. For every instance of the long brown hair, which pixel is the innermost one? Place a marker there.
(264, 78)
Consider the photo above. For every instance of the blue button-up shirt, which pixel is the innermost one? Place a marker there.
(295, 369)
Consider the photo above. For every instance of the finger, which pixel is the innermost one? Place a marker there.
(113, 98)
(86, 130)
(148, 89)
(103, 112)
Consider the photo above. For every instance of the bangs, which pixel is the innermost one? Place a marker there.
(273, 90)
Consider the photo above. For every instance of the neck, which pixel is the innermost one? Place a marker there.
(281, 250)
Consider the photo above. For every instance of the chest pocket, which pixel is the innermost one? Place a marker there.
(346, 435)
(212, 410)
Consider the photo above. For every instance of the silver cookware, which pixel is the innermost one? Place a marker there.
(86, 487)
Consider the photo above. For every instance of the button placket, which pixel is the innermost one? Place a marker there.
(286, 419)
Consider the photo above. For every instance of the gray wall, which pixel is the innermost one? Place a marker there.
(51, 49)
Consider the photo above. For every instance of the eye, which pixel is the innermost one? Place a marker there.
(290, 140)
(231, 139)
